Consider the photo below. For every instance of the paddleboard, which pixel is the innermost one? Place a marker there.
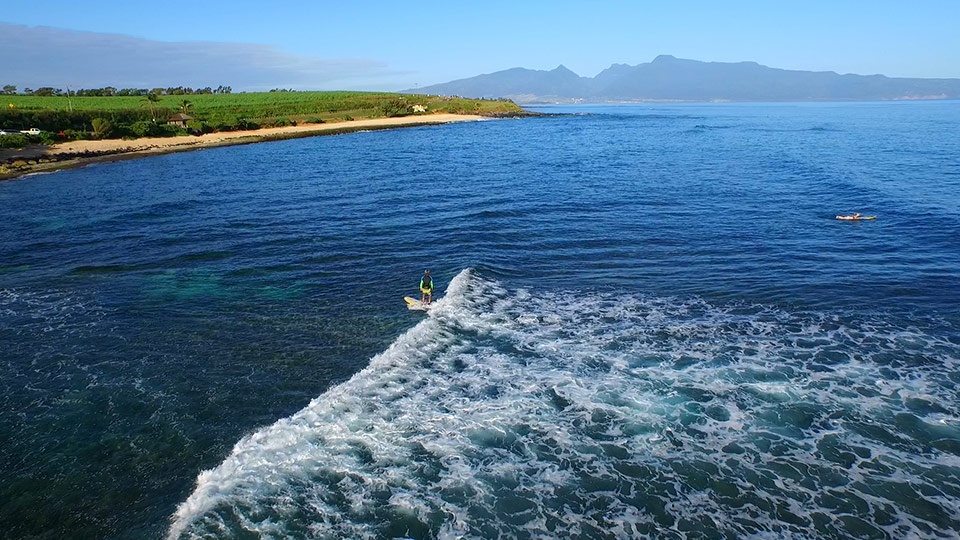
(416, 305)
(861, 218)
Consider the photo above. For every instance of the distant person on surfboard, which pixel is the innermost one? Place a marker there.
(857, 217)
(426, 288)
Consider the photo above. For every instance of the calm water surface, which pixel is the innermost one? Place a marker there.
(651, 326)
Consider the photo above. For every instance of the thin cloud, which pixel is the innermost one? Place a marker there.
(33, 57)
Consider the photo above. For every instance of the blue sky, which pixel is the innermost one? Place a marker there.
(372, 45)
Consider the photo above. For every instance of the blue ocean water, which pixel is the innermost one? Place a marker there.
(650, 325)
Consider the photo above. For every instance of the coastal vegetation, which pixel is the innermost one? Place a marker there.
(62, 116)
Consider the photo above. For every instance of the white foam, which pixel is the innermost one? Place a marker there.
(550, 402)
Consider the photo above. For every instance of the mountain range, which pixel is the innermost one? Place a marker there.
(673, 79)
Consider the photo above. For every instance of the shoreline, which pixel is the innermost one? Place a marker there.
(75, 154)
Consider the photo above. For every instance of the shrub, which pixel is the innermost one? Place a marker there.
(13, 141)
(145, 129)
(282, 121)
(101, 127)
(224, 125)
(244, 124)
(172, 130)
(396, 107)
(76, 135)
(196, 127)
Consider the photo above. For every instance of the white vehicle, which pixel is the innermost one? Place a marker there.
(4, 132)
(31, 131)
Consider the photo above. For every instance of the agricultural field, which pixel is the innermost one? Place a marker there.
(76, 117)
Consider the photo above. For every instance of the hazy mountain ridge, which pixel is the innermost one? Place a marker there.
(667, 78)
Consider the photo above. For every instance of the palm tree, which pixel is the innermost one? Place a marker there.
(152, 100)
(184, 105)
(101, 128)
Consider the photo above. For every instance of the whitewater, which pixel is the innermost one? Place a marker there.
(510, 414)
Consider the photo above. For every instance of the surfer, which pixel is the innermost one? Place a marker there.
(857, 217)
(426, 288)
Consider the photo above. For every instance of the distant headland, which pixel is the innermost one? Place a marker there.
(55, 129)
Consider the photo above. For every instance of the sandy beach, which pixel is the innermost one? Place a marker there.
(38, 158)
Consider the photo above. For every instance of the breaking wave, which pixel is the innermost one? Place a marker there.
(530, 415)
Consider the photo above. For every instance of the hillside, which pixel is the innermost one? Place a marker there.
(667, 78)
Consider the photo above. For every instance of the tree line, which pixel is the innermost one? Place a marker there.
(107, 91)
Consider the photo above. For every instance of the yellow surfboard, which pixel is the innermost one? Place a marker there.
(416, 305)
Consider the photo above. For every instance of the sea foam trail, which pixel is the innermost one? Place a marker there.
(511, 414)
(329, 433)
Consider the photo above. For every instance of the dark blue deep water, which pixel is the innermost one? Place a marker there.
(651, 325)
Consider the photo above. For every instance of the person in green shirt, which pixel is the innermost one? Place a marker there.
(426, 288)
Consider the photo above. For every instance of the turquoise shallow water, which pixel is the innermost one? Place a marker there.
(651, 326)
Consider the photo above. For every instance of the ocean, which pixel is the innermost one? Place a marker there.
(649, 325)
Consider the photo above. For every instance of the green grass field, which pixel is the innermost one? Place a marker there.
(263, 105)
(136, 116)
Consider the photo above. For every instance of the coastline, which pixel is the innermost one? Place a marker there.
(75, 154)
